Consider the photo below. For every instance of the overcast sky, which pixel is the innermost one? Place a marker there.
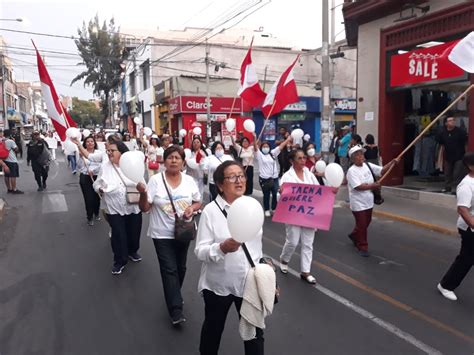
(297, 21)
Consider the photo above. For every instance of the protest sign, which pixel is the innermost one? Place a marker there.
(305, 205)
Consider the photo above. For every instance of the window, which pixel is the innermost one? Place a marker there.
(146, 74)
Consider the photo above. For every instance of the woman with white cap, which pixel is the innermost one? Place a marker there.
(154, 154)
(361, 181)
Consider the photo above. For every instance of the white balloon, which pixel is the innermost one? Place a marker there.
(86, 133)
(137, 120)
(69, 147)
(248, 210)
(306, 137)
(230, 124)
(249, 125)
(187, 153)
(182, 133)
(69, 132)
(297, 133)
(107, 135)
(147, 131)
(197, 131)
(334, 175)
(320, 166)
(192, 164)
(133, 166)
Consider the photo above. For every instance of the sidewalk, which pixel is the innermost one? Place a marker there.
(436, 211)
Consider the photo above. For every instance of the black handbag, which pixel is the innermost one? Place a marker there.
(378, 199)
(267, 184)
(184, 231)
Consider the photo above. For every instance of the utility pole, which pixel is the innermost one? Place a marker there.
(265, 77)
(208, 96)
(4, 94)
(325, 82)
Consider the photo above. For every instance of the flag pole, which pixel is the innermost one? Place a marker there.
(266, 120)
(63, 114)
(426, 129)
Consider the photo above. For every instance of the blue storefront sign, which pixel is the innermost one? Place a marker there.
(305, 114)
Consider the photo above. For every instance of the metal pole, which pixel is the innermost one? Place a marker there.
(4, 94)
(208, 96)
(325, 82)
(265, 77)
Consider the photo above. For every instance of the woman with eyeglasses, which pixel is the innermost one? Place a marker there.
(224, 264)
(211, 163)
(268, 170)
(300, 174)
(88, 171)
(124, 219)
(172, 253)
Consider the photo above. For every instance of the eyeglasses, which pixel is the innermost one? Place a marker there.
(110, 151)
(234, 178)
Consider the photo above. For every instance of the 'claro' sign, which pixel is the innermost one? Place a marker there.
(424, 66)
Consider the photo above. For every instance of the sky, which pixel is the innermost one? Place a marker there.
(298, 22)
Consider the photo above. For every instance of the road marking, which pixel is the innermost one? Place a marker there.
(54, 202)
(384, 297)
(371, 317)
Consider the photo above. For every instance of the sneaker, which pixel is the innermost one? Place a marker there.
(97, 218)
(17, 192)
(450, 295)
(40, 189)
(90, 222)
(117, 269)
(283, 268)
(135, 257)
(176, 321)
(351, 237)
(74, 172)
(9, 191)
(446, 190)
(364, 253)
(267, 214)
(44, 185)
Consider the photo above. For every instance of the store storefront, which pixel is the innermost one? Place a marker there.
(345, 111)
(305, 114)
(416, 85)
(189, 112)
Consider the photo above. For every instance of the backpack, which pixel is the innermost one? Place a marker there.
(4, 152)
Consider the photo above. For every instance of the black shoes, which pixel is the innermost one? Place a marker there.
(117, 269)
(178, 320)
(135, 257)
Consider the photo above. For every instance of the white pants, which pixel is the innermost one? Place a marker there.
(53, 154)
(293, 236)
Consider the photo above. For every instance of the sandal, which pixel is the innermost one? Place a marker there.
(308, 278)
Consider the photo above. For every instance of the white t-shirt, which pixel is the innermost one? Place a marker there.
(161, 214)
(356, 176)
(268, 164)
(11, 145)
(246, 154)
(465, 197)
(212, 162)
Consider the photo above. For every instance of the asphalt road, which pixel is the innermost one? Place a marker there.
(57, 295)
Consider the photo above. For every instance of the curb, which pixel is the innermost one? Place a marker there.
(400, 218)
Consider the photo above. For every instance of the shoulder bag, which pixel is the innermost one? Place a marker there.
(378, 199)
(263, 260)
(132, 195)
(184, 231)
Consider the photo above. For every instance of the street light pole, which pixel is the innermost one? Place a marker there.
(4, 94)
(208, 95)
(325, 82)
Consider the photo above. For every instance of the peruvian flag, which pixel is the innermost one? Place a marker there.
(250, 89)
(462, 53)
(56, 112)
(282, 93)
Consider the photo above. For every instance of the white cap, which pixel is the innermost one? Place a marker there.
(345, 127)
(355, 149)
(154, 136)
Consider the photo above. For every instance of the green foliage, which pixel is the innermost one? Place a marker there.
(102, 52)
(85, 113)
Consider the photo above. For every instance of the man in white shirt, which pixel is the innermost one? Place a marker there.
(11, 162)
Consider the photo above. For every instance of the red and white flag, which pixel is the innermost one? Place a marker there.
(250, 89)
(462, 53)
(282, 93)
(56, 112)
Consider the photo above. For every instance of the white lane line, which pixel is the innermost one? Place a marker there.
(54, 202)
(370, 316)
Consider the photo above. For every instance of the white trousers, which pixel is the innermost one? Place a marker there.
(293, 236)
(53, 154)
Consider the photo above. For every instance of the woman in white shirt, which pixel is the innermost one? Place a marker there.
(361, 183)
(300, 174)
(198, 155)
(171, 253)
(124, 219)
(225, 265)
(212, 162)
(465, 260)
(88, 171)
(246, 153)
(154, 153)
(268, 170)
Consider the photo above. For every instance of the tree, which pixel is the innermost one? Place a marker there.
(102, 53)
(85, 113)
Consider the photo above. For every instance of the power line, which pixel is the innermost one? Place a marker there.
(39, 34)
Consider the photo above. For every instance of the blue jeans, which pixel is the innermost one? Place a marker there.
(266, 194)
(172, 257)
(72, 159)
(125, 239)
